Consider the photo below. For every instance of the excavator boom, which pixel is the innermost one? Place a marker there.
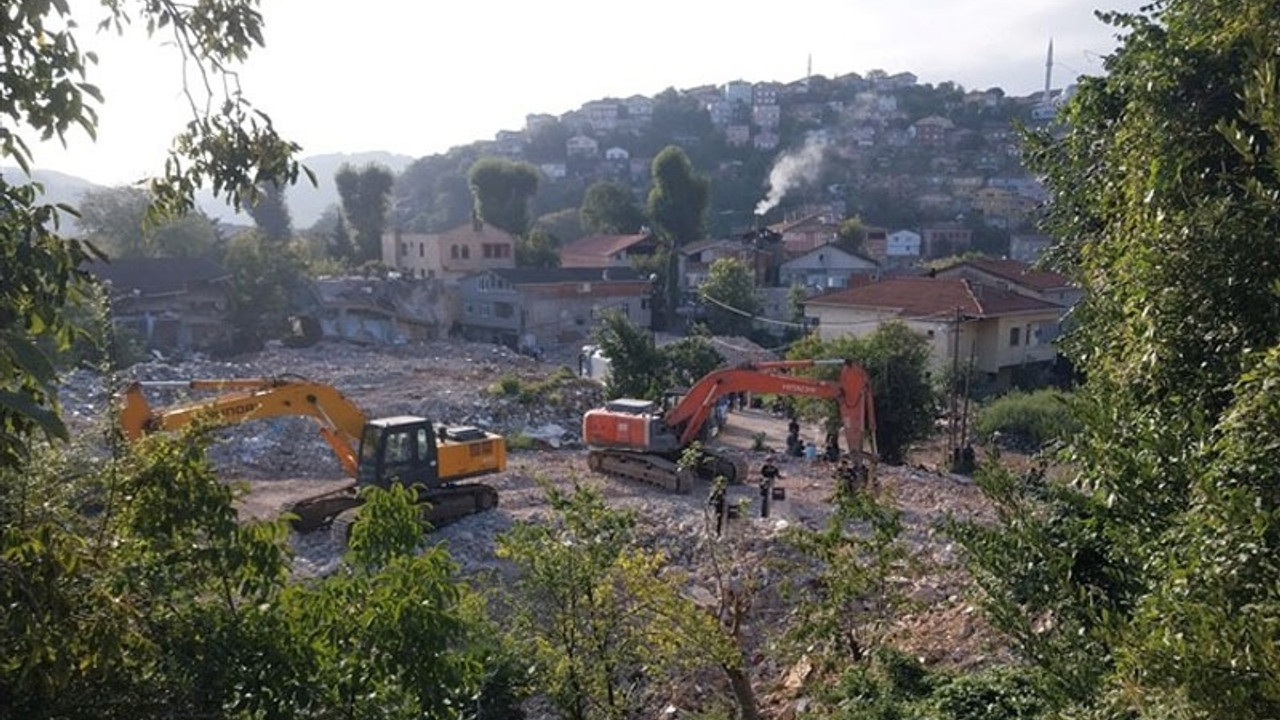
(339, 420)
(852, 391)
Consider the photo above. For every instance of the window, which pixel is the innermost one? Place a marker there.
(399, 448)
(422, 249)
(644, 303)
(1015, 336)
(453, 252)
(404, 248)
(503, 310)
(466, 252)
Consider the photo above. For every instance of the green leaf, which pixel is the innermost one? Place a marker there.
(29, 358)
(26, 406)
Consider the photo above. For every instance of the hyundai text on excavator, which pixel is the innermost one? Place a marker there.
(405, 449)
(634, 439)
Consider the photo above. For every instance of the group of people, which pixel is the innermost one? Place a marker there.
(809, 450)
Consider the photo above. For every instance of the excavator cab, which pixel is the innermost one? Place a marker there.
(398, 449)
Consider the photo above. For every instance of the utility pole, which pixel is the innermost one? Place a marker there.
(952, 405)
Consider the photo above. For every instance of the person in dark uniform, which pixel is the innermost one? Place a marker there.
(716, 501)
(832, 452)
(769, 474)
(794, 447)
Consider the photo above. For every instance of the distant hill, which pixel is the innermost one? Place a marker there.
(306, 203)
(58, 188)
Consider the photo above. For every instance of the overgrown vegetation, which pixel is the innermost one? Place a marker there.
(1156, 559)
(639, 369)
(1029, 420)
(541, 391)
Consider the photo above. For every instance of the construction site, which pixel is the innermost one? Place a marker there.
(283, 459)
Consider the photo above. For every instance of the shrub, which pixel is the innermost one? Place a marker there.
(999, 694)
(521, 441)
(1032, 419)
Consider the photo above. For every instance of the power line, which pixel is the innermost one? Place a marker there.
(936, 317)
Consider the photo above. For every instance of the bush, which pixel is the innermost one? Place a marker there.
(545, 391)
(1031, 419)
(521, 441)
(1000, 694)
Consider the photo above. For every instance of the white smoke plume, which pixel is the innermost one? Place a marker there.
(791, 170)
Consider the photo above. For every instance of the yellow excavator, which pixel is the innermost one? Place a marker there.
(405, 449)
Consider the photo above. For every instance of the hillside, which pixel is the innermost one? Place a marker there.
(306, 202)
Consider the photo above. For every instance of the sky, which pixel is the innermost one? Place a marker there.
(416, 78)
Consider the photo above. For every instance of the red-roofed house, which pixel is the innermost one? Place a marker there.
(1018, 277)
(1000, 330)
(602, 251)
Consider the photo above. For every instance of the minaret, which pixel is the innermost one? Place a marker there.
(1048, 72)
(808, 71)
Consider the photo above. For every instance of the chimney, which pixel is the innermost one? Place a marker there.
(476, 223)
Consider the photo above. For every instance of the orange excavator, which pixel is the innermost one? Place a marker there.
(405, 449)
(633, 438)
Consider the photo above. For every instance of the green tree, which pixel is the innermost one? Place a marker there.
(365, 195)
(636, 368)
(687, 360)
(112, 219)
(729, 291)
(1159, 565)
(117, 220)
(264, 276)
(270, 213)
(677, 206)
(602, 618)
(228, 144)
(539, 249)
(897, 359)
(677, 202)
(847, 610)
(853, 231)
(610, 208)
(502, 190)
(565, 224)
(133, 589)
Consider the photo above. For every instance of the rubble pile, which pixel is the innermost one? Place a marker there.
(448, 382)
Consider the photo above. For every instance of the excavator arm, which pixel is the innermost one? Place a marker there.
(852, 393)
(339, 420)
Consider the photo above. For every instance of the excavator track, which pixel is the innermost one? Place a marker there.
(443, 505)
(663, 472)
(651, 469)
(450, 504)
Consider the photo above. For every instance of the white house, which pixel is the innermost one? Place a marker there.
(826, 266)
(582, 146)
(903, 244)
